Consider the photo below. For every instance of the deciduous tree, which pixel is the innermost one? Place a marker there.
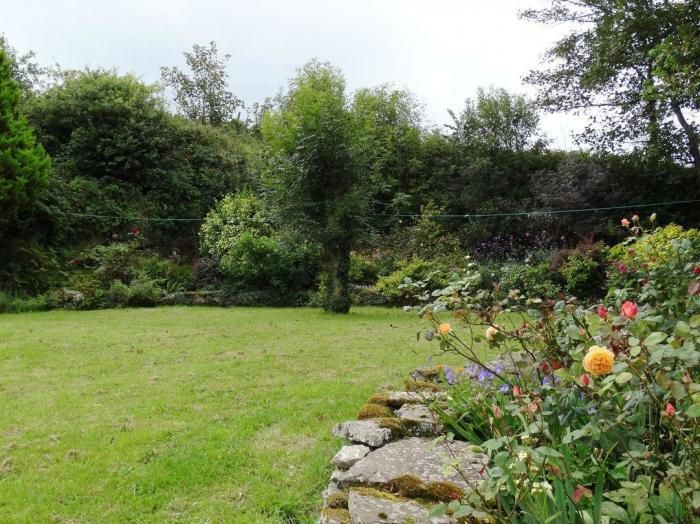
(317, 175)
(635, 63)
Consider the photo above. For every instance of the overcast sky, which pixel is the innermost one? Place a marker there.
(441, 50)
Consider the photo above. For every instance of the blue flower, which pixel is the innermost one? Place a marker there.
(504, 388)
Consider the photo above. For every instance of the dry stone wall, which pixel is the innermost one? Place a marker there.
(392, 470)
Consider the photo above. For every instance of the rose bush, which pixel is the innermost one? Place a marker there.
(591, 414)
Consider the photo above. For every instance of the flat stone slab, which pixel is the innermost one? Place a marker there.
(366, 509)
(419, 421)
(421, 459)
(396, 399)
(363, 431)
(349, 455)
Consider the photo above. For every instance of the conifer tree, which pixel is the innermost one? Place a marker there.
(24, 165)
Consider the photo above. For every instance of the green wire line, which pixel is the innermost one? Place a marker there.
(552, 212)
(135, 219)
(468, 215)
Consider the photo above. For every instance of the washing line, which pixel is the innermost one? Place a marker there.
(399, 215)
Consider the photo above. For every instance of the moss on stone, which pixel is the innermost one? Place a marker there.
(371, 410)
(412, 487)
(443, 491)
(379, 398)
(378, 494)
(393, 424)
(337, 500)
(422, 385)
(339, 515)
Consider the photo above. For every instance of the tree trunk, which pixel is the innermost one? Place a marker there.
(691, 134)
(335, 282)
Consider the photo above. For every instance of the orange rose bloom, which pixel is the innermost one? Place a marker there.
(625, 222)
(444, 329)
(599, 360)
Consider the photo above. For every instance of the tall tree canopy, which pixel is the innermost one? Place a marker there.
(391, 120)
(203, 95)
(318, 177)
(24, 165)
(497, 120)
(636, 62)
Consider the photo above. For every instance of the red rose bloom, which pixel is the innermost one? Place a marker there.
(602, 312)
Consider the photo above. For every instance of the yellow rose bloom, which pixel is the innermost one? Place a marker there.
(444, 329)
(598, 360)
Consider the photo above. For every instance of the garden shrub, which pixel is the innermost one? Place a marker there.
(234, 216)
(363, 270)
(115, 261)
(23, 304)
(415, 270)
(648, 250)
(532, 280)
(583, 269)
(251, 255)
(141, 292)
(589, 415)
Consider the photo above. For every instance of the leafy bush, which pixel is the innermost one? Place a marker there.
(363, 269)
(264, 263)
(21, 304)
(588, 416)
(116, 261)
(391, 286)
(251, 255)
(583, 269)
(141, 292)
(532, 280)
(233, 217)
(629, 261)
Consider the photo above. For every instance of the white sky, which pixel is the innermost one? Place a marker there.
(441, 50)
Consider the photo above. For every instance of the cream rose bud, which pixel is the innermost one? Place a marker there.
(491, 333)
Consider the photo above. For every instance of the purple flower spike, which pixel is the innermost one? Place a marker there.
(449, 375)
(484, 376)
(504, 388)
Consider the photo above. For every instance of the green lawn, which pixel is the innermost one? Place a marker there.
(185, 414)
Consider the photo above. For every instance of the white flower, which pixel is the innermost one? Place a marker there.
(522, 455)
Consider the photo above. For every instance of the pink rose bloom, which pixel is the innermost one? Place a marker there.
(629, 310)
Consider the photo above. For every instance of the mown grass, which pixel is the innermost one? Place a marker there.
(185, 414)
